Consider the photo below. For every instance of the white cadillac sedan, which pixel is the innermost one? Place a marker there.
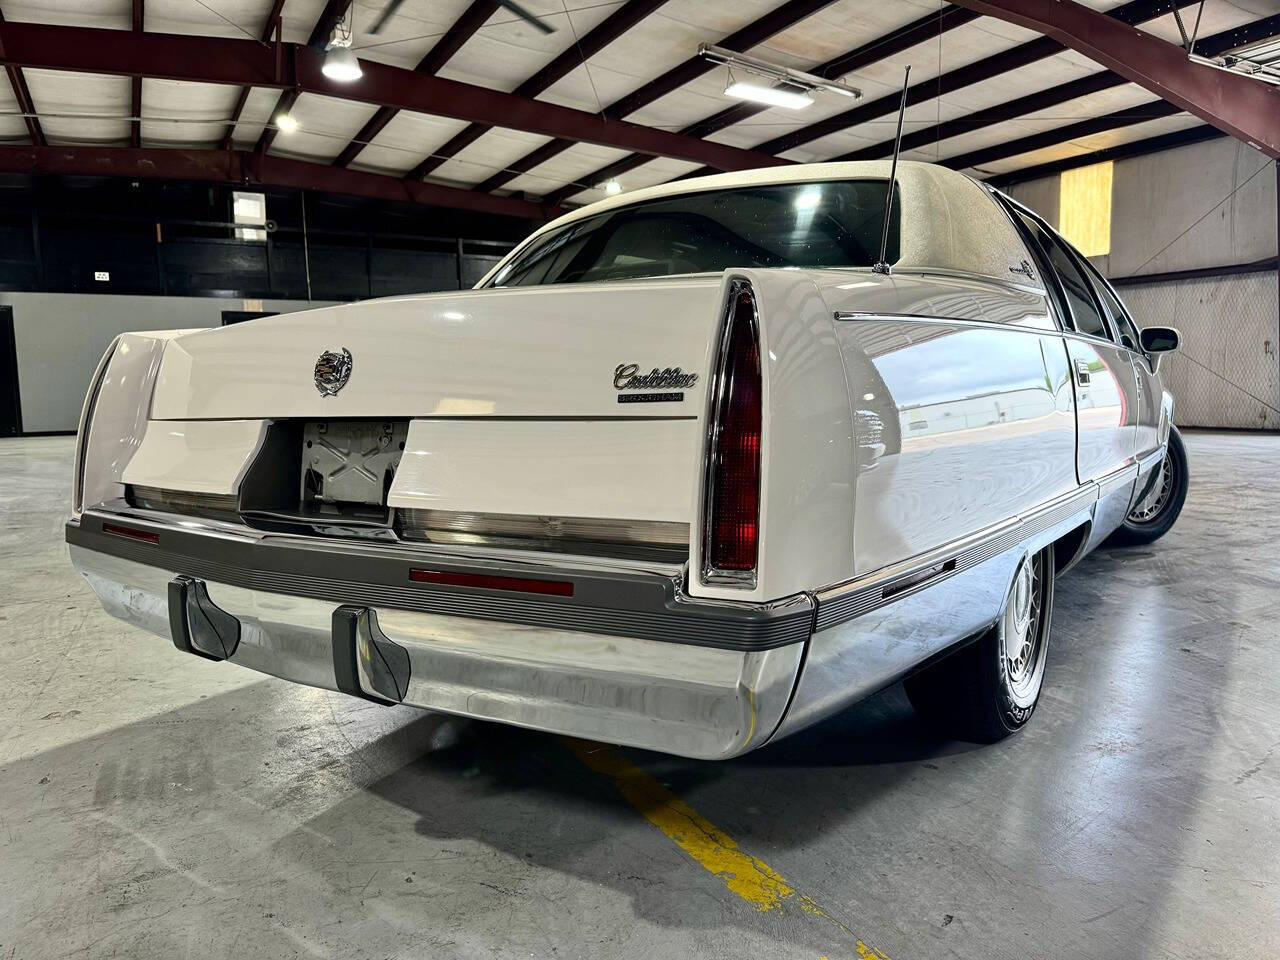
(692, 469)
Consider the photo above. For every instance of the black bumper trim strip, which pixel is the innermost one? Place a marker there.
(623, 604)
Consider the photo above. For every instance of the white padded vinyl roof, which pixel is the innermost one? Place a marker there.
(949, 222)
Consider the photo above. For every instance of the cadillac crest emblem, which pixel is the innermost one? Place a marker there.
(333, 370)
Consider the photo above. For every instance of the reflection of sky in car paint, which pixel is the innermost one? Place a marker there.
(965, 363)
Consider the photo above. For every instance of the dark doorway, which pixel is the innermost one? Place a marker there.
(240, 316)
(10, 407)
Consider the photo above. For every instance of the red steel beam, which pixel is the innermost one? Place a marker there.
(268, 31)
(1244, 108)
(135, 87)
(463, 29)
(251, 168)
(1043, 99)
(229, 60)
(22, 93)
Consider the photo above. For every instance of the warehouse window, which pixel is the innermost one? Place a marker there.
(1084, 208)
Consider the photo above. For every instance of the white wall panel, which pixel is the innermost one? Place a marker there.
(62, 336)
(1227, 373)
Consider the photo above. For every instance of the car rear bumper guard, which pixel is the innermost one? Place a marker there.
(625, 658)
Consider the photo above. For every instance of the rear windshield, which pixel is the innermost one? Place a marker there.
(823, 224)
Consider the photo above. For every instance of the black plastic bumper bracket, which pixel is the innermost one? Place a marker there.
(197, 625)
(357, 640)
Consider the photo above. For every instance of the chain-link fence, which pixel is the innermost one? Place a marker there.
(1227, 373)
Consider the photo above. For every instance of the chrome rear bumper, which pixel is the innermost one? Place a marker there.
(698, 679)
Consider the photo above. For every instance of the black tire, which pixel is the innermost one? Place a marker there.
(978, 693)
(1153, 516)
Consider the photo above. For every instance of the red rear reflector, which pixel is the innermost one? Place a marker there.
(558, 588)
(146, 536)
(734, 524)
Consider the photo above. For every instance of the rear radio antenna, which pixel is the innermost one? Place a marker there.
(882, 265)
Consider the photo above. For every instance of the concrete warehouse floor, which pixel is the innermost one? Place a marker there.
(156, 805)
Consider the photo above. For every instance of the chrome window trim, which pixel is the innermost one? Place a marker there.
(711, 575)
(856, 316)
(1090, 338)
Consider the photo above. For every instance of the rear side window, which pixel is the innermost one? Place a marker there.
(1073, 291)
(820, 224)
(1119, 315)
(1084, 309)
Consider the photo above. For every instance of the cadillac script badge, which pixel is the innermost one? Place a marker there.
(333, 370)
(659, 386)
(627, 376)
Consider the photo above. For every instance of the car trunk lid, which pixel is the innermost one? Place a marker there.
(532, 352)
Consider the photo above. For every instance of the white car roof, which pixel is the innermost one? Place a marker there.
(949, 221)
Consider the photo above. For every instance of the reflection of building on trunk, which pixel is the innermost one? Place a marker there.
(946, 416)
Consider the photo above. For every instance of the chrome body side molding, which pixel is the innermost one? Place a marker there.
(840, 603)
(865, 641)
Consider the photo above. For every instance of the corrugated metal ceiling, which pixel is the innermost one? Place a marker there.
(506, 51)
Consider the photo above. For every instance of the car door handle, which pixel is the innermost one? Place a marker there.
(1082, 373)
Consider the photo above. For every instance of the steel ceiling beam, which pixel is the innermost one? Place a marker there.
(1136, 11)
(754, 33)
(255, 169)
(1134, 148)
(135, 86)
(918, 31)
(1054, 96)
(463, 28)
(1128, 117)
(609, 30)
(1244, 108)
(22, 93)
(202, 59)
(334, 11)
(268, 31)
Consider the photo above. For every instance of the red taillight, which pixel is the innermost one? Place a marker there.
(733, 507)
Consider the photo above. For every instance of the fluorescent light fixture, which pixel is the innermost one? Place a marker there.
(341, 64)
(612, 187)
(1260, 60)
(286, 123)
(792, 99)
(796, 85)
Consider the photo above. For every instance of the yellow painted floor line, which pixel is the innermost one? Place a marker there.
(749, 877)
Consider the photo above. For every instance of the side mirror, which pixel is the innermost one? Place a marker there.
(1160, 339)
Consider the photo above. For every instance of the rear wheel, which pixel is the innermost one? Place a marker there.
(1153, 515)
(989, 689)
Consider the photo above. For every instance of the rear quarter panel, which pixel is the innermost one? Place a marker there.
(963, 406)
